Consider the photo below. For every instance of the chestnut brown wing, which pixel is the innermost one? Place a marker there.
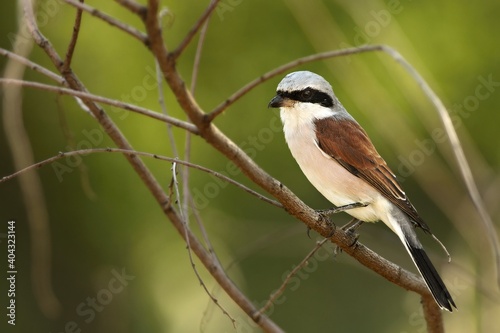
(349, 145)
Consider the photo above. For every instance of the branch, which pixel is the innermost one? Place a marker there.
(194, 30)
(187, 144)
(154, 31)
(433, 315)
(110, 20)
(284, 68)
(282, 288)
(166, 62)
(197, 57)
(190, 254)
(487, 224)
(74, 38)
(30, 64)
(84, 152)
(95, 98)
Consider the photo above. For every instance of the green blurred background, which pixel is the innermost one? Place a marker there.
(104, 223)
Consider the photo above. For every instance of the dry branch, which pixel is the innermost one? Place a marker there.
(110, 20)
(33, 66)
(104, 100)
(84, 152)
(74, 38)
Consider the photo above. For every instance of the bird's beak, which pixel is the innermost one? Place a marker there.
(276, 102)
(279, 101)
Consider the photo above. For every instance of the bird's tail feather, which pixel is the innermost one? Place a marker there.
(431, 277)
(404, 229)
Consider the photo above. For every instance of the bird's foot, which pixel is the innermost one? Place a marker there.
(350, 228)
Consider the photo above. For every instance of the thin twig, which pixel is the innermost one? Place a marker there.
(197, 57)
(187, 144)
(91, 97)
(74, 38)
(187, 154)
(188, 247)
(489, 229)
(283, 68)
(31, 65)
(190, 35)
(110, 20)
(203, 230)
(140, 153)
(294, 271)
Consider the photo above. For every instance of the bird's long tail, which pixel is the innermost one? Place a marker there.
(403, 227)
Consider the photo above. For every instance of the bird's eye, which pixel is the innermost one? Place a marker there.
(306, 94)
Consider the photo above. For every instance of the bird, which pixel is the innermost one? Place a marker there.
(338, 158)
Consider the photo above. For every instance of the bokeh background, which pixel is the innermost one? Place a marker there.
(104, 223)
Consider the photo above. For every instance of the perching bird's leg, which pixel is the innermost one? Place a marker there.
(335, 210)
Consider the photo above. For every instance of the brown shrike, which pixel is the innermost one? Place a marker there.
(339, 159)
